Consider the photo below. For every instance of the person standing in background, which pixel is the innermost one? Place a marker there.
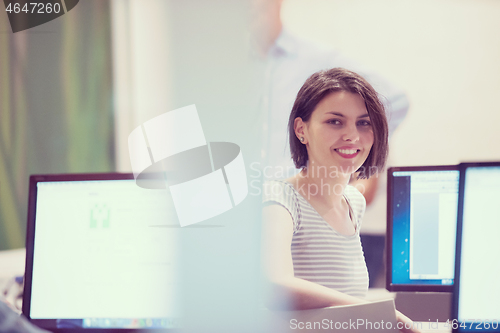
(289, 61)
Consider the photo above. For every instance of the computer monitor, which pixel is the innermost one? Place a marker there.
(476, 297)
(421, 228)
(101, 254)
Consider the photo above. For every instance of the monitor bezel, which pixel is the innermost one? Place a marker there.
(456, 286)
(389, 234)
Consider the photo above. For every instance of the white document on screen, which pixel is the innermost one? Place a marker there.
(102, 250)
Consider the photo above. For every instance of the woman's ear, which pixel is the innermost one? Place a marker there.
(300, 130)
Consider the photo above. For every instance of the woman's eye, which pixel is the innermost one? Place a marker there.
(334, 122)
(364, 123)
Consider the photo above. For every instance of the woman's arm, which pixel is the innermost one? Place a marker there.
(284, 290)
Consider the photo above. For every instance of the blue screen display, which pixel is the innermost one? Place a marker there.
(423, 214)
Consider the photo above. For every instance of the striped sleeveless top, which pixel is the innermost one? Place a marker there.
(319, 253)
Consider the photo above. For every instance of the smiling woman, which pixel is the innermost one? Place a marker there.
(318, 92)
(312, 253)
(338, 133)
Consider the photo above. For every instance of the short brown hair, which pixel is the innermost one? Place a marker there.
(323, 83)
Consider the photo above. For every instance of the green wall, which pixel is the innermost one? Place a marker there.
(56, 112)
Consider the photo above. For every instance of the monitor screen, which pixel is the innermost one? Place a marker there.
(421, 228)
(477, 292)
(100, 255)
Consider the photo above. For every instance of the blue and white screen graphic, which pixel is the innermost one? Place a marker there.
(424, 226)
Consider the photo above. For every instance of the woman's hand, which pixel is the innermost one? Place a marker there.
(407, 325)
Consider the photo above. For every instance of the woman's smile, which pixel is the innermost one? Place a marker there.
(347, 152)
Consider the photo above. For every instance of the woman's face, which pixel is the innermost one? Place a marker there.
(339, 132)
